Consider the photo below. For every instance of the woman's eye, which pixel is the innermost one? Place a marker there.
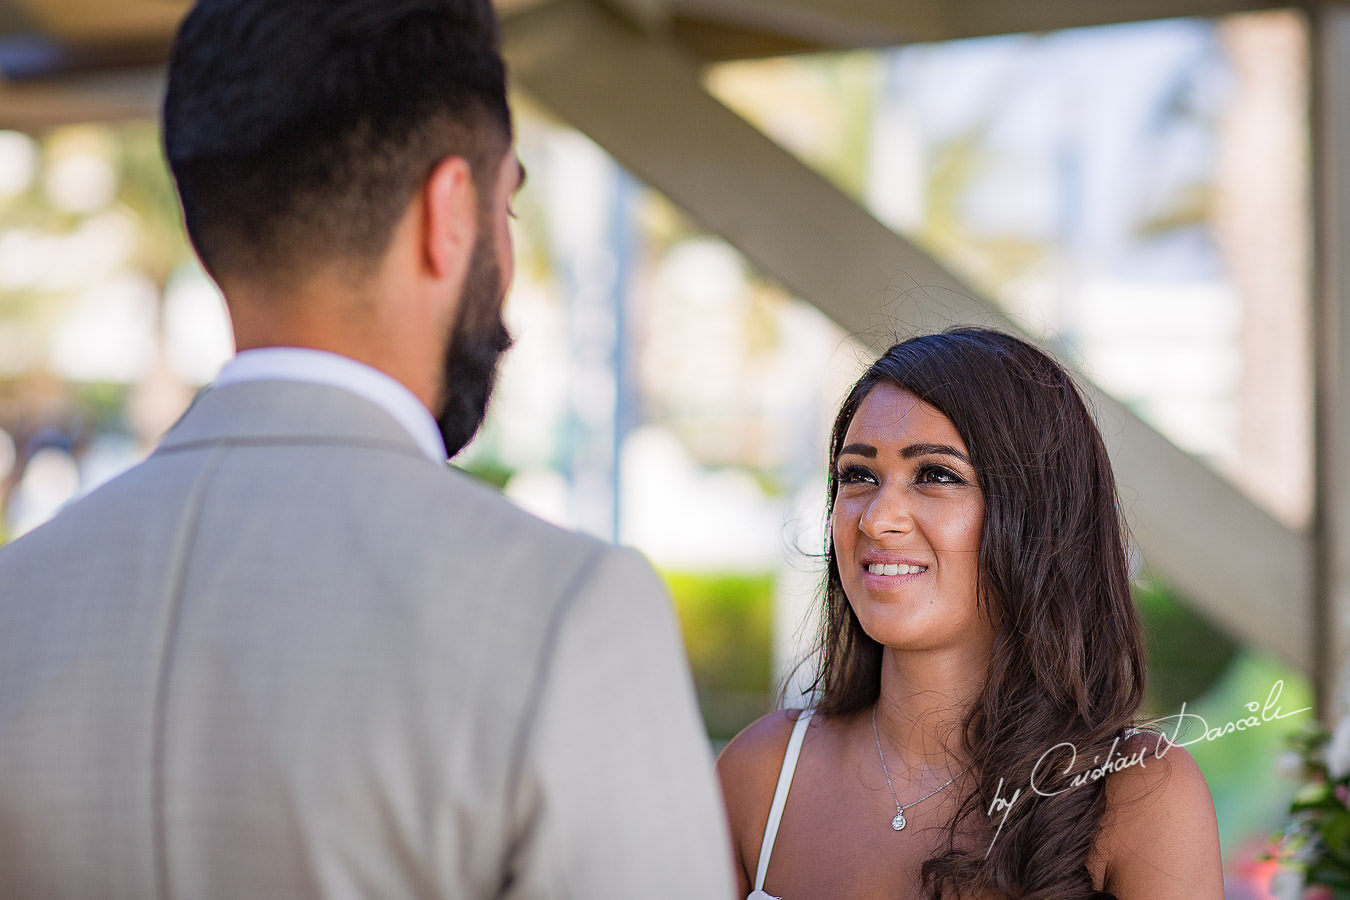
(855, 475)
(938, 475)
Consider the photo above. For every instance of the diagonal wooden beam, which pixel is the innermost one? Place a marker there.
(642, 101)
(636, 97)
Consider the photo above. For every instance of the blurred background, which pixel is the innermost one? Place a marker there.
(730, 208)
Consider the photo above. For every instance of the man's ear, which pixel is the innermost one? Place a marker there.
(451, 202)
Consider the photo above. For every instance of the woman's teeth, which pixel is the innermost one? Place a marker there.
(893, 569)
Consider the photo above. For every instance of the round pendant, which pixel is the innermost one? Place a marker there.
(899, 823)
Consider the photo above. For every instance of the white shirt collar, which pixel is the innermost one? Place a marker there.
(321, 367)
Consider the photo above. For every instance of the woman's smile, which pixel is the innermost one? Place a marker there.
(890, 571)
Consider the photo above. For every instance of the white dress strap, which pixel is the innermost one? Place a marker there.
(794, 750)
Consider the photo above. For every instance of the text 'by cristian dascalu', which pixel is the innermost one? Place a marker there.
(1183, 721)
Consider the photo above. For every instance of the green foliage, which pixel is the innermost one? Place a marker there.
(856, 80)
(102, 404)
(1186, 655)
(1315, 847)
(991, 261)
(727, 621)
(1191, 207)
(1192, 662)
(1247, 804)
(146, 188)
(487, 470)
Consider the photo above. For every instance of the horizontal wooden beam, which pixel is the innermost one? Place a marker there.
(641, 100)
(975, 18)
(101, 21)
(846, 24)
(100, 97)
(14, 19)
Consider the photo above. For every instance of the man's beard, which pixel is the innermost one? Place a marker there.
(476, 345)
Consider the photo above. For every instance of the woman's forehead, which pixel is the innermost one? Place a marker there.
(889, 414)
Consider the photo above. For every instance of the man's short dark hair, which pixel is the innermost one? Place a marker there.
(298, 130)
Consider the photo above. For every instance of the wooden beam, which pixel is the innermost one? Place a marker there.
(838, 24)
(14, 19)
(100, 22)
(99, 97)
(634, 95)
(716, 42)
(822, 25)
(642, 101)
(975, 18)
(1331, 199)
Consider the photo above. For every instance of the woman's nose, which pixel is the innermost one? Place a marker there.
(887, 513)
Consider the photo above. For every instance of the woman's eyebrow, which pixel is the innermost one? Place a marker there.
(914, 450)
(865, 450)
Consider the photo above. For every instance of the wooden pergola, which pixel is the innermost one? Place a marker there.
(628, 74)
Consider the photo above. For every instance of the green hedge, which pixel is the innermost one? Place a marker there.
(727, 621)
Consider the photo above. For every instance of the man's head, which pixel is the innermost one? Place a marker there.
(311, 138)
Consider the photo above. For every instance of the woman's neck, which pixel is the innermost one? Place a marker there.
(925, 697)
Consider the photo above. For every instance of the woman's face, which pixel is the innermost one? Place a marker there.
(907, 520)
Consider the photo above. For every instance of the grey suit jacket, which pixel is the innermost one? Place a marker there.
(288, 656)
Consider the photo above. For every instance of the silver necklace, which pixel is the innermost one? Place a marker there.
(899, 822)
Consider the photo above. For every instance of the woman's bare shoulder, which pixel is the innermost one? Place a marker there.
(754, 756)
(748, 769)
(1160, 838)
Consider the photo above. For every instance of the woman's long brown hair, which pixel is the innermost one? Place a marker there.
(1068, 657)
